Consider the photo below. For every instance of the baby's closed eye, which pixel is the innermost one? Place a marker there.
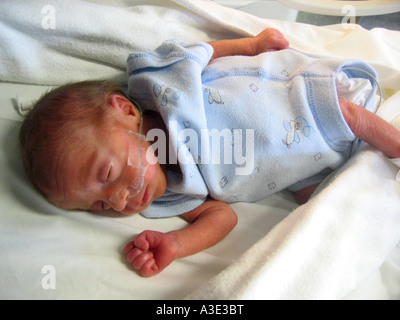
(109, 173)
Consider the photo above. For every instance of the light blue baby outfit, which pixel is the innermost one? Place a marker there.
(276, 117)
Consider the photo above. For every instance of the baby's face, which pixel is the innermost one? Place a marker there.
(113, 172)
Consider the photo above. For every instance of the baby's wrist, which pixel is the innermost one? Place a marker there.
(175, 247)
(252, 45)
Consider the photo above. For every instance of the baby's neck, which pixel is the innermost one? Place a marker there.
(153, 120)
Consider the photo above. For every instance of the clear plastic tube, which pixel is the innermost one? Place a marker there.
(137, 163)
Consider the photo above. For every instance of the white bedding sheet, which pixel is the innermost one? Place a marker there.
(84, 251)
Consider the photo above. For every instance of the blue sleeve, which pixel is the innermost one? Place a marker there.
(173, 65)
(170, 205)
(171, 72)
(168, 53)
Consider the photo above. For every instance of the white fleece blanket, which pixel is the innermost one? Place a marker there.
(323, 249)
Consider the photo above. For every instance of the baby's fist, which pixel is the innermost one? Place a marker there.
(151, 252)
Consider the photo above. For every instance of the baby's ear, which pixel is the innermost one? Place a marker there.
(123, 104)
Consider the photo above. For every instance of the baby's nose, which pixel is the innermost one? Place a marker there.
(118, 199)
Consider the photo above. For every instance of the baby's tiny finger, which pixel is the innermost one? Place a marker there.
(149, 269)
(133, 254)
(129, 246)
(141, 242)
(140, 260)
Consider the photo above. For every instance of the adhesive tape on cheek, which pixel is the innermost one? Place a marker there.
(138, 184)
(136, 151)
(136, 162)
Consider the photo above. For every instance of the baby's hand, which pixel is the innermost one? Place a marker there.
(151, 252)
(270, 40)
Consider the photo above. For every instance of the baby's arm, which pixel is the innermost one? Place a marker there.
(368, 127)
(371, 128)
(268, 40)
(153, 251)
